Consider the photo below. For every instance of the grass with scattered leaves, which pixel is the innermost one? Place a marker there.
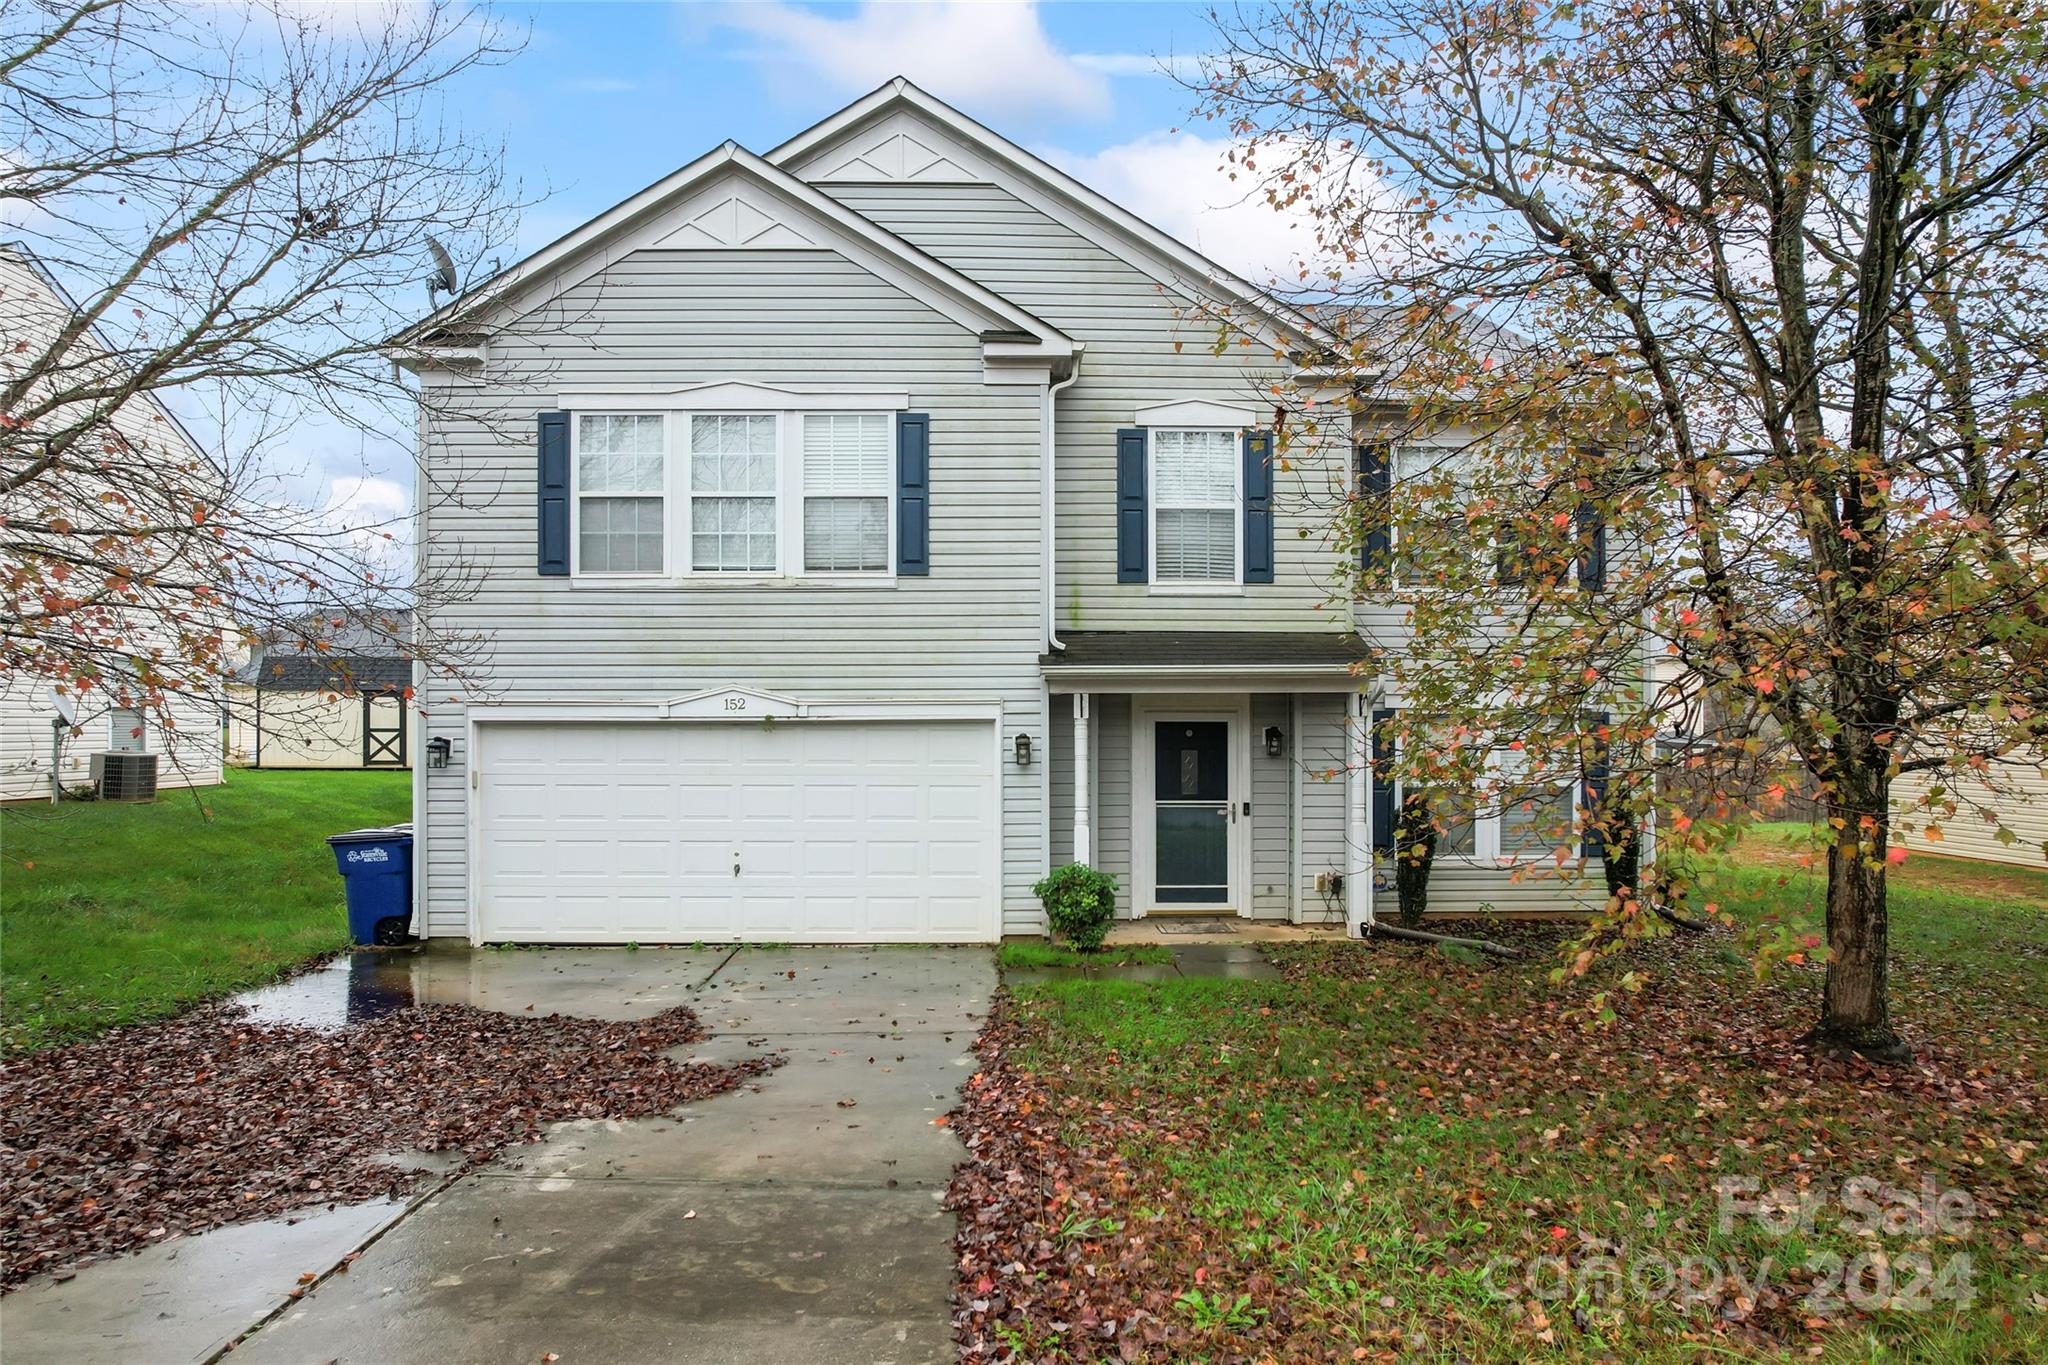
(114, 913)
(1399, 1155)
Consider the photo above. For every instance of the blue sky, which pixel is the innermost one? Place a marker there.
(607, 98)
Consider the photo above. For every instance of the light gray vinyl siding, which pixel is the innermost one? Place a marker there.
(1140, 350)
(1112, 741)
(970, 632)
(1271, 797)
(1060, 779)
(1320, 751)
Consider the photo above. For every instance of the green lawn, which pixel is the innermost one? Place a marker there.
(111, 914)
(1027, 953)
(1369, 1148)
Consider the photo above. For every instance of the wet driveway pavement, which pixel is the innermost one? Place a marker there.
(797, 1219)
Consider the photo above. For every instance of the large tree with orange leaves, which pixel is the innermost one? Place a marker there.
(1756, 291)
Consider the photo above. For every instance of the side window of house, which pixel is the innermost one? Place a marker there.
(127, 730)
(1196, 506)
(621, 486)
(847, 484)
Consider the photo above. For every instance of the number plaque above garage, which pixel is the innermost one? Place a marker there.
(733, 703)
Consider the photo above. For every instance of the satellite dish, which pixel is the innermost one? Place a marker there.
(443, 278)
(67, 710)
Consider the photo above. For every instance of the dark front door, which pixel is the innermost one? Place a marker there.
(1191, 812)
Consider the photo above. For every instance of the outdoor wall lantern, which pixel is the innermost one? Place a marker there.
(1023, 750)
(1276, 743)
(438, 749)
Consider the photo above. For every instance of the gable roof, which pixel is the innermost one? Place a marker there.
(1109, 225)
(36, 267)
(589, 248)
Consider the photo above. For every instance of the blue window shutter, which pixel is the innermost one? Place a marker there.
(554, 494)
(1258, 507)
(1132, 559)
(913, 493)
(1591, 525)
(1592, 843)
(1375, 486)
(1383, 782)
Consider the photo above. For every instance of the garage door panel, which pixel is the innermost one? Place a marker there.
(844, 832)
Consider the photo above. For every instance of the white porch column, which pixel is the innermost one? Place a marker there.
(1357, 815)
(1084, 820)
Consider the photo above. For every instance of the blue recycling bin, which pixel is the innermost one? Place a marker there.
(376, 867)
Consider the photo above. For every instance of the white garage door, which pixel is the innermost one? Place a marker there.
(796, 831)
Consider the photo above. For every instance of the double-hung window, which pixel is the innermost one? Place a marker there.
(734, 477)
(847, 483)
(1198, 510)
(621, 482)
(1537, 815)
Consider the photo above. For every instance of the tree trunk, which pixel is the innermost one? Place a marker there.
(1856, 1010)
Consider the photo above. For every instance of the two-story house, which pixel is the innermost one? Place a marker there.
(865, 527)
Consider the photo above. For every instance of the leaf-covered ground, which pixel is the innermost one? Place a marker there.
(176, 1127)
(1396, 1155)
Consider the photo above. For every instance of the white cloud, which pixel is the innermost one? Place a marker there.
(994, 57)
(372, 513)
(1138, 64)
(1175, 181)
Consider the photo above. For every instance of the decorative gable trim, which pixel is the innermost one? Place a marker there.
(742, 218)
(1196, 412)
(898, 148)
(981, 154)
(701, 207)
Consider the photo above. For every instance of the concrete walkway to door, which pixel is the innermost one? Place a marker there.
(797, 1220)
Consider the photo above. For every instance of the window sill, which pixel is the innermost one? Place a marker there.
(730, 582)
(1194, 589)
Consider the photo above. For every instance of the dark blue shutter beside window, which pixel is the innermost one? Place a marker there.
(1375, 486)
(913, 494)
(1132, 561)
(554, 494)
(1383, 782)
(1592, 844)
(1591, 525)
(1258, 507)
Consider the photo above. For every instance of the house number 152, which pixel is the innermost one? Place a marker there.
(735, 703)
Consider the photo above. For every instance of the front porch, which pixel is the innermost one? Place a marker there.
(1218, 775)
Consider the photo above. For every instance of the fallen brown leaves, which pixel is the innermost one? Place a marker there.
(208, 1119)
(1049, 1259)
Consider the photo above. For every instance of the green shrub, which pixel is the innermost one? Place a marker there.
(1079, 904)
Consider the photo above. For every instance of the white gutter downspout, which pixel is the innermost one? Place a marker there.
(1052, 604)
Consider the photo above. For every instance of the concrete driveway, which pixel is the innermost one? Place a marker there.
(794, 1220)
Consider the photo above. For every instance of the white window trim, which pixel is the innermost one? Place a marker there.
(576, 569)
(1487, 824)
(1174, 587)
(118, 735)
(889, 500)
(678, 553)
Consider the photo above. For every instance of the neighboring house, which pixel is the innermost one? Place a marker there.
(866, 527)
(189, 752)
(2019, 802)
(342, 706)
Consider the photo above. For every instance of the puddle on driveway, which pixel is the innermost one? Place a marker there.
(596, 983)
(353, 989)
